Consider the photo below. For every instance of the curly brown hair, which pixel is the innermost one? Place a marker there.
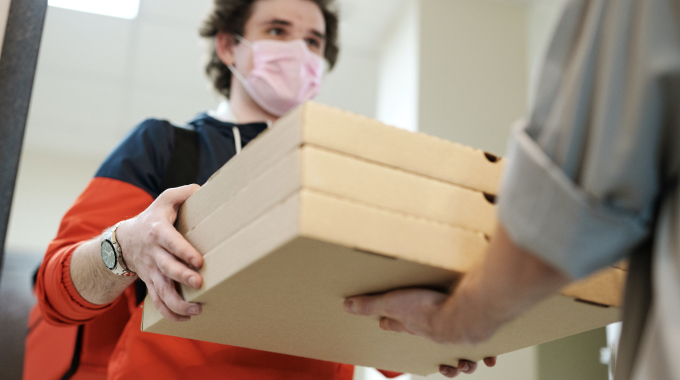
(230, 16)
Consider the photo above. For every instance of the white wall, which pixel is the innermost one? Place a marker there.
(541, 23)
(473, 70)
(352, 83)
(4, 12)
(398, 72)
(47, 185)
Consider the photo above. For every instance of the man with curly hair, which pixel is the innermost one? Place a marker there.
(267, 57)
(87, 320)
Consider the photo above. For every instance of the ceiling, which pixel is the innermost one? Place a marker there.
(98, 76)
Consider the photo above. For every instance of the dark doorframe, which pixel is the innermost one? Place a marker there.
(18, 61)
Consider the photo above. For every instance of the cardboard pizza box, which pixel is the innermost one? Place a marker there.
(279, 283)
(352, 135)
(343, 176)
(327, 205)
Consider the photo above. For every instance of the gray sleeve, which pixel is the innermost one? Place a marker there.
(584, 172)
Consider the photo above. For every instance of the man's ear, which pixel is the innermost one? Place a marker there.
(224, 45)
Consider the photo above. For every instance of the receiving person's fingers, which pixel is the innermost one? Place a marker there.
(448, 371)
(389, 324)
(366, 305)
(170, 267)
(490, 362)
(161, 307)
(467, 366)
(173, 242)
(168, 294)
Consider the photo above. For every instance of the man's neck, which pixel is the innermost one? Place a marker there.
(244, 108)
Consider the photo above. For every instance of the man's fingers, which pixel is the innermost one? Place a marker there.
(168, 294)
(170, 267)
(176, 196)
(173, 242)
(490, 362)
(448, 371)
(161, 307)
(388, 324)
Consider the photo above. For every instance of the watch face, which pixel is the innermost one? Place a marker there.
(108, 254)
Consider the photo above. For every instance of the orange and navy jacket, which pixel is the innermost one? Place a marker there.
(70, 337)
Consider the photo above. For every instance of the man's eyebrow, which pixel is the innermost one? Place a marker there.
(318, 34)
(277, 21)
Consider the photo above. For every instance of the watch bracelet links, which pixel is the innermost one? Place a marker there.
(119, 252)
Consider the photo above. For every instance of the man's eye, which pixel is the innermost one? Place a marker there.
(275, 31)
(313, 43)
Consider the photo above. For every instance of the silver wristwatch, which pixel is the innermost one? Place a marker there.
(112, 254)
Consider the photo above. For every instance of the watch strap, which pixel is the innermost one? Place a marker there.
(121, 267)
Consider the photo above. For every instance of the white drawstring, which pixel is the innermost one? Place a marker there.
(237, 139)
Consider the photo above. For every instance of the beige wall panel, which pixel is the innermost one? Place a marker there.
(473, 70)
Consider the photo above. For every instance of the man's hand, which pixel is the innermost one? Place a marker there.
(507, 282)
(159, 254)
(419, 312)
(408, 310)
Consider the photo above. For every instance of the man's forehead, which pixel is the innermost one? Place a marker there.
(298, 13)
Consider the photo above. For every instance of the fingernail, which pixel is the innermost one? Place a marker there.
(194, 310)
(194, 262)
(349, 307)
(192, 281)
(465, 367)
(444, 370)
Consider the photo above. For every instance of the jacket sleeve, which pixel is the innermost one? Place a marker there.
(104, 202)
(126, 184)
(585, 171)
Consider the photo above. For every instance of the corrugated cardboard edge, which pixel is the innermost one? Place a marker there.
(253, 200)
(349, 178)
(623, 264)
(341, 131)
(343, 221)
(396, 189)
(255, 158)
(597, 288)
(412, 151)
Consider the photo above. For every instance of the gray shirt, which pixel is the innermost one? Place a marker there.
(593, 173)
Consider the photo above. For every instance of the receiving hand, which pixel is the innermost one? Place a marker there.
(419, 312)
(154, 249)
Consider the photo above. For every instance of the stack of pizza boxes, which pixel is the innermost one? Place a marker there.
(325, 205)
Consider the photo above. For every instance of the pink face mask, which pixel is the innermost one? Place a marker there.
(285, 74)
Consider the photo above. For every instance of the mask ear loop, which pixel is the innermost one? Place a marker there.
(243, 40)
(240, 78)
(232, 68)
(236, 74)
